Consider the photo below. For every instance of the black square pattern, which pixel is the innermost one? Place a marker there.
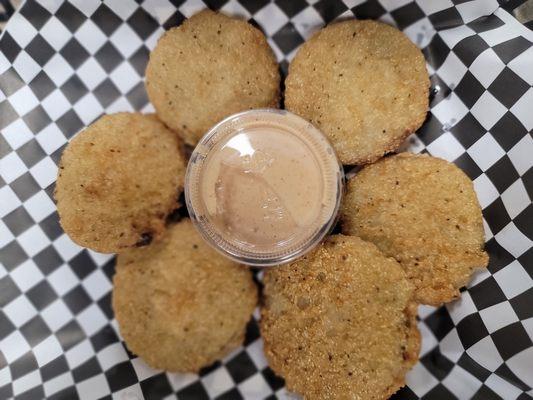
(469, 48)
(508, 87)
(82, 264)
(446, 19)
(523, 221)
(23, 365)
(37, 14)
(108, 57)
(291, 8)
(502, 174)
(196, 391)
(508, 131)
(106, 19)
(254, 5)
(156, 387)
(8, 290)
(485, 23)
(35, 331)
(6, 328)
(106, 92)
(74, 53)
(527, 178)
(510, 49)
(77, 300)
(175, 19)
(510, 377)
(498, 256)
(440, 392)
(37, 119)
(330, 9)
(234, 394)
(48, 260)
(50, 226)
(31, 153)
(407, 15)
(87, 370)
(469, 89)
(468, 166)
(10, 82)
(485, 393)
(9, 47)
(468, 130)
(137, 96)
(70, 16)
(436, 52)
(103, 338)
(5, 149)
(139, 60)
(509, 348)
(241, 367)
(74, 89)
(437, 364)
(369, 10)
(105, 306)
(143, 23)
(522, 304)
(41, 85)
(69, 123)
(487, 293)
(41, 295)
(70, 335)
(18, 221)
(54, 368)
(8, 114)
(471, 329)
(439, 90)
(120, 376)
(440, 323)
(25, 186)
(288, 38)
(40, 50)
(472, 367)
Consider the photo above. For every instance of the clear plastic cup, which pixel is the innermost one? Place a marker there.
(263, 187)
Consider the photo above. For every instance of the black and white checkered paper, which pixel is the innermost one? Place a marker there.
(63, 64)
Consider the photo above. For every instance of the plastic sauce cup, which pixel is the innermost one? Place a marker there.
(263, 187)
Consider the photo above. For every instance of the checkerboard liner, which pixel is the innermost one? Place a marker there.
(63, 64)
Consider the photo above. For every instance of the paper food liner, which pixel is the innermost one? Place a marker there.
(63, 64)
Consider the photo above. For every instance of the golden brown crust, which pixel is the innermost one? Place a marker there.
(179, 304)
(208, 68)
(340, 323)
(364, 84)
(424, 212)
(118, 180)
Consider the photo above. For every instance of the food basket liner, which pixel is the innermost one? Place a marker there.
(63, 64)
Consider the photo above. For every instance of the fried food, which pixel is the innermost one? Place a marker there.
(340, 323)
(208, 68)
(179, 304)
(118, 180)
(424, 212)
(364, 84)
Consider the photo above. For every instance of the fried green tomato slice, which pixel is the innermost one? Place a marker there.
(422, 211)
(340, 323)
(208, 68)
(179, 304)
(118, 180)
(364, 84)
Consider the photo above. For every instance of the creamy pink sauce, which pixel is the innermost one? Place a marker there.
(263, 186)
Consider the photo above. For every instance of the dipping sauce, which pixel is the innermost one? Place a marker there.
(263, 187)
